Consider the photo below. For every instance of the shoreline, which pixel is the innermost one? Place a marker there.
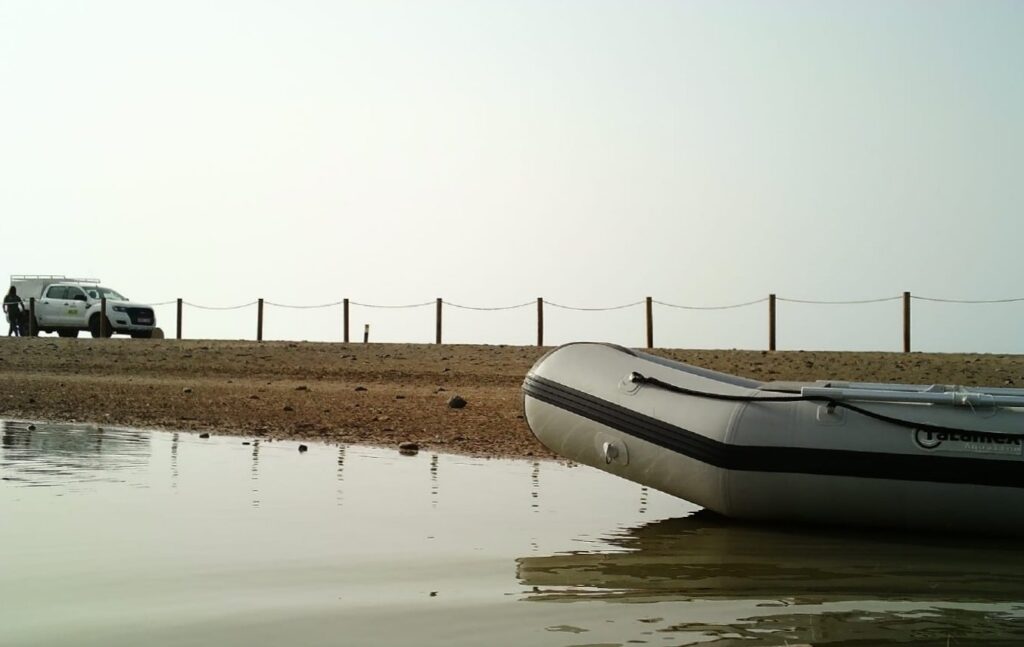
(374, 394)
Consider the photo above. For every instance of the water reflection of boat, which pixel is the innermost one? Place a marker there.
(707, 556)
(795, 585)
(38, 453)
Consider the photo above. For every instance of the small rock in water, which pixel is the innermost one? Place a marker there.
(204, 435)
(303, 448)
(246, 442)
(456, 402)
(31, 427)
(408, 448)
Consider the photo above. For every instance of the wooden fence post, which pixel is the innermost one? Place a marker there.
(906, 322)
(438, 336)
(366, 333)
(771, 322)
(344, 309)
(177, 334)
(33, 330)
(103, 318)
(650, 324)
(540, 321)
(259, 320)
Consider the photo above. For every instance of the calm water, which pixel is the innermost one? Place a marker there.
(126, 537)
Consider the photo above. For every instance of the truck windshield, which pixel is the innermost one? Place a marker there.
(101, 292)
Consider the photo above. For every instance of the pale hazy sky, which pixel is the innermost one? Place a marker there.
(589, 152)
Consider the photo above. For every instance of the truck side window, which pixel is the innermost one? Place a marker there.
(74, 292)
(57, 292)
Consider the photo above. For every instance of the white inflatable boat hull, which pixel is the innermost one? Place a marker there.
(947, 467)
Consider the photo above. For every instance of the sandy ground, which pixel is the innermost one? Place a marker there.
(380, 394)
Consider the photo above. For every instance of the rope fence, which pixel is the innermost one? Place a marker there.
(439, 304)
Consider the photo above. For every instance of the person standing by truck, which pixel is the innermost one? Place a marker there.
(12, 306)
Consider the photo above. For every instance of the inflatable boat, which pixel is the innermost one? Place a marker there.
(916, 457)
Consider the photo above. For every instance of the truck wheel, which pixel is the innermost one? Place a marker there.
(94, 326)
(68, 332)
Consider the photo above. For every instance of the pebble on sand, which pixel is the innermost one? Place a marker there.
(187, 389)
(204, 435)
(456, 402)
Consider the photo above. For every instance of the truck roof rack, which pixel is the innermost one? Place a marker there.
(50, 277)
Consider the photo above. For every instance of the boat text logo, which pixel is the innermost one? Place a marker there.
(976, 442)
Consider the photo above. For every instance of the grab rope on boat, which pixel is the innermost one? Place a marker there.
(831, 403)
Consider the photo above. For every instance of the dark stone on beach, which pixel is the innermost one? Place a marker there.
(204, 435)
(31, 427)
(187, 389)
(246, 442)
(399, 397)
(302, 387)
(303, 448)
(288, 408)
(408, 448)
(456, 402)
(254, 397)
(360, 388)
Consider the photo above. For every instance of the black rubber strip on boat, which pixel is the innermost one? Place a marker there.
(799, 460)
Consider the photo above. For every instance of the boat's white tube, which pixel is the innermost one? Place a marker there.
(732, 445)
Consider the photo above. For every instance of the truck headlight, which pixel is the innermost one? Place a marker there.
(120, 309)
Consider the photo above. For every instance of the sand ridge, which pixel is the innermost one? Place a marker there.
(381, 394)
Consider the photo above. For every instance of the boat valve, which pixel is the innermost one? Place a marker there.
(611, 452)
(611, 449)
(631, 383)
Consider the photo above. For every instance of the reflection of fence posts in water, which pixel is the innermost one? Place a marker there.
(648, 302)
(434, 486)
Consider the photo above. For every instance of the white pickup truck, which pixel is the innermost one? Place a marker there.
(68, 305)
